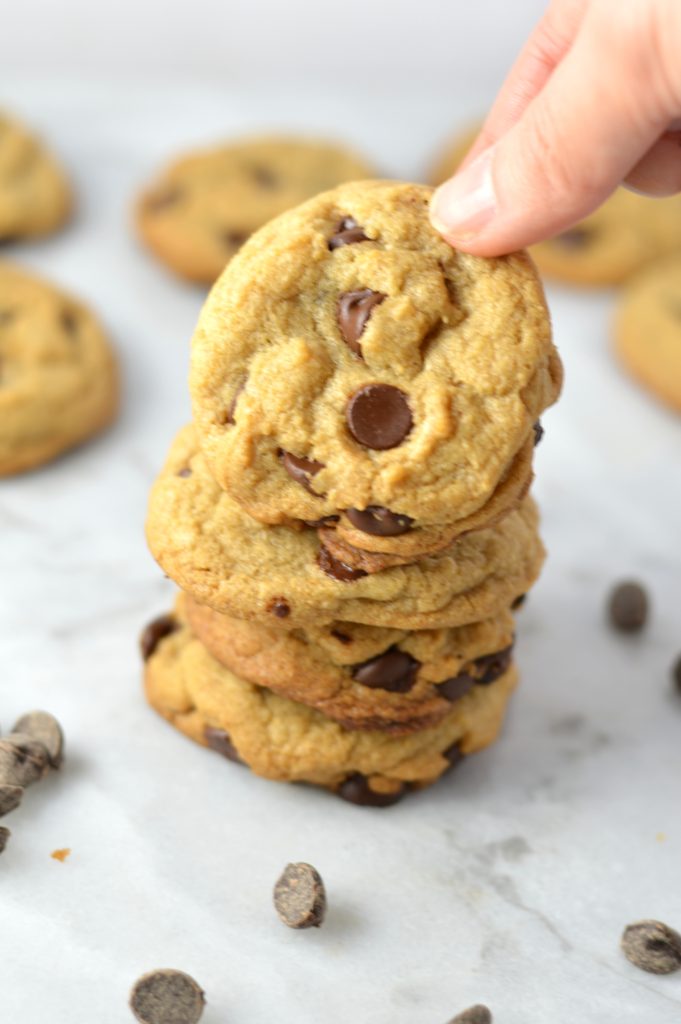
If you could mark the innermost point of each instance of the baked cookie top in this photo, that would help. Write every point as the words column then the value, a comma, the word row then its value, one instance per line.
column 214, row 550
column 58, row 374
column 350, row 363
column 35, row 197
column 204, row 206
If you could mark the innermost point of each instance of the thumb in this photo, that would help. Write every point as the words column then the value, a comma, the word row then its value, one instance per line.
column 576, row 141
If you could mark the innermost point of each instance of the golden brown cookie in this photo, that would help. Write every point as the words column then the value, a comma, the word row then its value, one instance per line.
column 58, row 375
column 35, row 198
column 214, row 550
column 290, row 742
column 204, row 206
column 350, row 364
column 647, row 334
column 364, row 677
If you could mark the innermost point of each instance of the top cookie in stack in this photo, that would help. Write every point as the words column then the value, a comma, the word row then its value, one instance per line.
column 353, row 371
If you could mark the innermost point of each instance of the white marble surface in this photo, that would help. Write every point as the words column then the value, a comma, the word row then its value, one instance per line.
column 510, row 882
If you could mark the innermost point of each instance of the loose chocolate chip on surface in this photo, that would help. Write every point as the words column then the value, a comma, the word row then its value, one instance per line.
column 336, row 569
column 478, row 1014
column 300, row 897
column 628, row 607
column 456, row 687
column 652, row 946
column 218, row 740
column 10, row 798
column 394, row 670
column 280, row 607
column 157, row 629
column 538, row 432
column 23, row 760
column 348, row 232
column 491, row 666
column 184, row 472
column 45, row 728
column 356, row 790
column 300, row 469
column 354, row 310
column 379, row 521
column 4, row 837
column 378, row 416
column 676, row 673
column 167, row 997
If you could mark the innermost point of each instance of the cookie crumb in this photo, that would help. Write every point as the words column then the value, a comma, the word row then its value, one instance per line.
column 628, row 607
column 166, row 996
column 652, row 946
column 300, row 897
column 477, row 1014
column 60, row 855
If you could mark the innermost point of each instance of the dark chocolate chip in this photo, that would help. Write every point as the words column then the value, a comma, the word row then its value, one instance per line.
column 652, row 946
column 676, row 673
column 10, row 798
column 300, row 469
column 574, row 238
column 356, row 790
column 43, row 727
column 167, row 997
column 538, row 432
column 235, row 239
column 379, row 521
column 378, row 416
column 4, row 837
column 324, row 521
column 264, row 177
column 456, row 687
column 454, row 755
column 300, row 897
column 218, row 740
column 394, row 670
column 628, row 607
column 163, row 198
column 348, row 232
column 491, row 666
column 519, row 602
column 478, row 1014
column 184, row 472
column 336, row 569
column 69, row 321
column 342, row 638
column 280, row 607
column 157, row 629
column 354, row 312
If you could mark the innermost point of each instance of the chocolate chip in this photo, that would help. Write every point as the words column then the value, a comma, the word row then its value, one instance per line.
column 354, row 311
column 184, row 472
column 6, row 316
column 491, row 666
column 69, row 321
column 23, row 760
column 652, row 946
column 348, row 232
column 280, row 607
column 379, row 521
column 378, row 416
column 4, row 837
column 264, row 177
column 538, row 432
column 574, row 238
column 456, row 687
column 218, row 740
column 300, row 469
column 519, row 602
column 163, row 198
column 324, row 521
column 167, row 997
column 394, row 670
column 356, row 790
column 43, row 727
column 157, row 629
column 235, row 239
column 300, row 897
column 628, row 607
column 676, row 673
column 10, row 798
column 342, row 638
column 478, row 1014
column 8, row 239
column 336, row 569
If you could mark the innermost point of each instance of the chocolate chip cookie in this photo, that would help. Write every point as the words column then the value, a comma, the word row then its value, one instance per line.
column 35, row 198
column 351, row 369
column 287, row 741
column 213, row 549
column 204, row 206
column 647, row 333
column 58, row 374
column 364, row 677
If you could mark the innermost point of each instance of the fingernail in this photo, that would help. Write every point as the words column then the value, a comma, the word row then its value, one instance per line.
column 466, row 203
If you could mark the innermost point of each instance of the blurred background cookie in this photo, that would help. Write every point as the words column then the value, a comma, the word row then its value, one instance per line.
column 35, row 198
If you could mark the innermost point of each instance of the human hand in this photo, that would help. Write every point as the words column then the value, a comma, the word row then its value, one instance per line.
column 593, row 100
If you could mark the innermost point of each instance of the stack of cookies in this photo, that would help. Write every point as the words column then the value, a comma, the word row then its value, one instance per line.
column 348, row 516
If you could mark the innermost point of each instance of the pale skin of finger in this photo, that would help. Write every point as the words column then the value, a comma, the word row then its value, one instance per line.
column 658, row 173
column 603, row 107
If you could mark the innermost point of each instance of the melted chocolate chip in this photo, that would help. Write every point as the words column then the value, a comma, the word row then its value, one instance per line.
column 69, row 321
column 324, row 521
column 491, row 666
column 164, row 198
column 300, row 469
column 538, row 432
column 394, row 670
column 379, row 521
column 342, row 638
column 218, row 739
column 378, row 416
column 336, row 569
column 235, row 239
column 184, row 472
column 157, row 629
column 354, row 311
column 574, row 238
column 519, row 602
column 456, row 687
column 264, row 177
column 348, row 232
column 453, row 755
column 280, row 607
column 356, row 790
